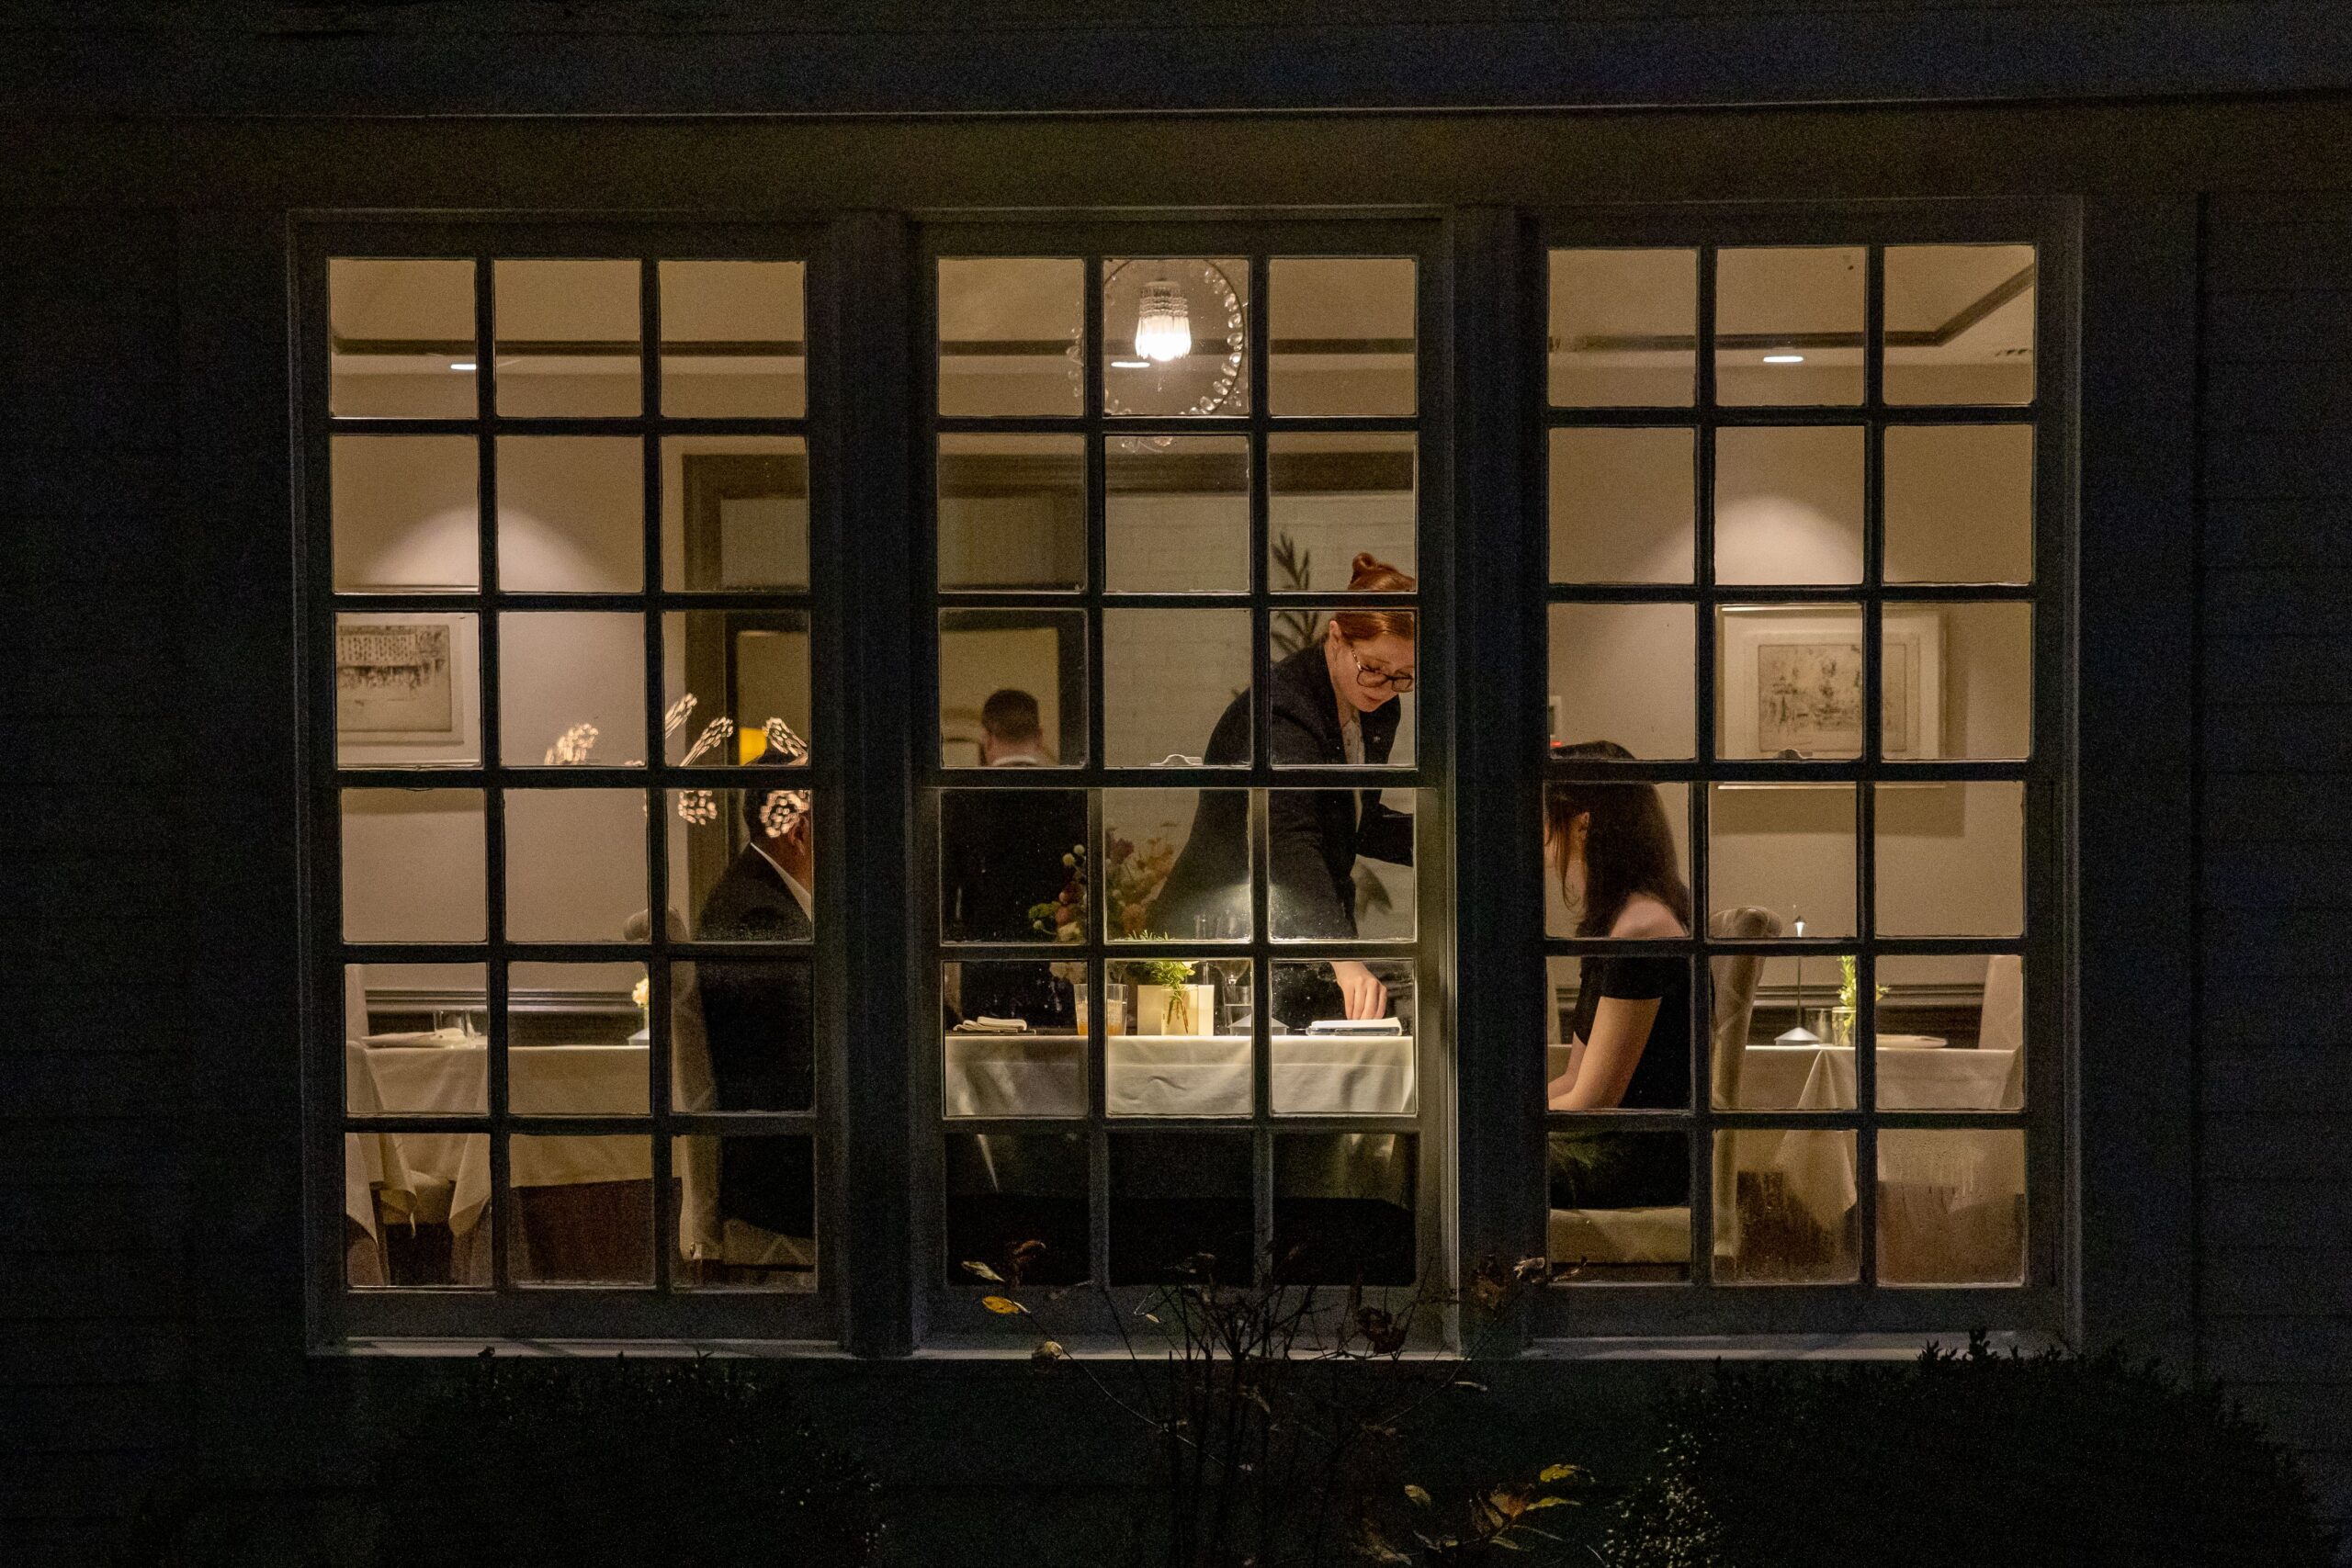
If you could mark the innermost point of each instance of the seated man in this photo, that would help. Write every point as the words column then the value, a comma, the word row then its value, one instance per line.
column 1001, row 859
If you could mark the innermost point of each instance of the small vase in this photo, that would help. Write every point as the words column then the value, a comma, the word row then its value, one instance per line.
column 1841, row 1026
column 1174, row 1010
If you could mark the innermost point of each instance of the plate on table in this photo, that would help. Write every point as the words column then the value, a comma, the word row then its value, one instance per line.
column 1911, row 1042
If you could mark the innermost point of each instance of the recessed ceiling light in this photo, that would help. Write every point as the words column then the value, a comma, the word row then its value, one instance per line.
column 1785, row 360
column 461, row 365
column 1131, row 365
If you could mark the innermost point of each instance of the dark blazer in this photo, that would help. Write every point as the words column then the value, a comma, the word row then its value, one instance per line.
column 1316, row 835
column 760, row 1016
column 999, row 853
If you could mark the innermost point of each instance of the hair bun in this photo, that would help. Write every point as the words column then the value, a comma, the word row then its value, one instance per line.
column 1373, row 575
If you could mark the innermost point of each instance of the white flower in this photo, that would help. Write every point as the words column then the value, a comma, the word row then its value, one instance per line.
column 698, row 807
column 572, row 746
column 713, row 735
column 680, row 711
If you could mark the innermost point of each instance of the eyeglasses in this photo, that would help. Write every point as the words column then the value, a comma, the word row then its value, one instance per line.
column 1372, row 675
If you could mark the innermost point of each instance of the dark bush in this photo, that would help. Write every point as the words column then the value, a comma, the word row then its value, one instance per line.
column 1968, row 1458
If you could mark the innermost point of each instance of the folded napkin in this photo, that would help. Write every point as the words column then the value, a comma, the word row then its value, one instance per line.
column 993, row 1026
column 1357, row 1026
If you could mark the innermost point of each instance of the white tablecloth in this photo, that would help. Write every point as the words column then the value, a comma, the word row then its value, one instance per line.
column 1177, row 1075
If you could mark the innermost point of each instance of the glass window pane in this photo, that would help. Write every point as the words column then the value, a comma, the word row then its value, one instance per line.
column 400, row 338
column 1181, row 1208
column 1789, row 683
column 733, row 891
column 1624, row 328
column 1960, row 504
column 571, row 513
column 1633, row 1017
column 1344, row 1209
column 1177, row 1056
column 747, row 668
column 1790, row 1220
column 1326, row 1064
column 584, row 1211
column 1147, row 834
column 1952, row 859
column 1009, row 336
column 1175, row 336
column 412, row 867
column 569, row 341
column 1951, row 1033
column 1950, row 1206
column 1005, row 1191
column 1784, row 1031
column 575, row 864
column 734, row 512
column 1177, row 514
column 1367, row 657
column 742, row 1034
column 407, row 513
column 1788, row 325
column 1960, row 323
column 1341, row 334
column 1621, row 502
column 577, row 1045
column 1624, row 843
column 418, row 1207
column 571, row 688
column 415, row 1040
column 1176, row 688
column 733, row 339
column 1011, row 512
column 1788, row 504
column 1623, row 674
column 1786, row 851
column 1370, row 894
column 1619, row 1208
column 1966, row 672
column 1011, row 864
column 991, row 1068
column 407, row 690
column 1334, row 496
column 747, row 1212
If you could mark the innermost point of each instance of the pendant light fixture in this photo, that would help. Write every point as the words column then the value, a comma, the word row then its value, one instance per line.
column 1163, row 324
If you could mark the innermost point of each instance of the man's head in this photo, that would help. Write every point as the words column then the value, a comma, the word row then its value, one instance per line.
column 1010, row 726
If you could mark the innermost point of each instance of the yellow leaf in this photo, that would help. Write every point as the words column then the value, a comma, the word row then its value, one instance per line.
column 1002, row 1306
column 1557, row 1473
column 1418, row 1494
column 1547, row 1502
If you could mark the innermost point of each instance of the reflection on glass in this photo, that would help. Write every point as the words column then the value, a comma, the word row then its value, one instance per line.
column 1009, row 336
column 412, row 866
column 576, row 1039
column 747, row 1212
column 1788, row 325
column 742, row 1032
column 417, row 1210
column 1790, row 1220
column 1788, row 504
column 1011, row 864
column 400, row 1024
column 1785, row 1032
column 1950, row 1206
column 734, row 891
column 571, row 688
column 1619, row 1207
column 1011, row 512
column 1370, row 897
column 1960, row 504
column 582, row 1210
column 733, row 339
column 1789, row 684
column 1960, row 323
column 1621, row 502
column 1005, row 1191
column 407, row 690
column 1176, row 688
column 1177, row 1056
column 571, row 513
column 1175, row 336
column 734, row 676
column 1624, row 672
column 1344, row 1208
column 1177, row 514
column 1015, row 1037
column 1951, row 1033
column 568, row 337
column 1952, row 859
column 1341, row 334
column 575, row 864
column 1181, row 1208
column 400, row 338
column 1012, row 688
column 1333, row 495
column 734, row 512
column 407, row 513
column 1787, row 849
column 1145, row 832
column 1624, row 328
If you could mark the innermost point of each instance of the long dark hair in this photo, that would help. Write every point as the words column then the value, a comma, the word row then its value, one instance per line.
column 1628, row 845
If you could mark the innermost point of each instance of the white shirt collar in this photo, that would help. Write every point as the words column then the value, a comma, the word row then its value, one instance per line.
column 1023, row 760
column 801, row 895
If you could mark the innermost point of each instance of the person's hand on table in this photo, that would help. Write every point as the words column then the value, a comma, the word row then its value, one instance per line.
column 1365, row 996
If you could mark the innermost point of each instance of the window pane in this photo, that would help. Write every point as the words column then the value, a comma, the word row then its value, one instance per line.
column 1624, row 328
column 1374, row 899
column 1147, row 834
column 1621, row 674
column 1960, row 323
column 1009, row 865
column 734, row 512
column 1333, row 496
column 1028, row 669
column 418, row 1208
column 1344, row 1209
column 1960, row 504
column 1636, row 838
column 1179, row 1057
column 1005, row 1191
column 568, row 337
column 571, row 513
column 1788, row 504
column 1011, row 512
column 1009, row 336
column 1966, row 672
column 1036, row 1070
column 1361, row 655
column 1360, row 1069
column 1177, row 512
column 748, row 668
column 1175, row 336
column 1181, row 1208
column 577, row 1041
column 402, row 338
column 412, row 866
column 1620, row 1207
column 1621, row 502
column 1786, row 851
column 747, row 1212
column 407, row 690
column 382, row 1003
column 1788, row 325
column 571, row 688
column 1784, row 1032
column 584, row 1211
column 733, row 891
column 1342, row 334
column 742, row 1031
column 414, row 1040
column 733, row 339
column 1790, row 1220
column 1951, row 1207
column 407, row 513
column 1952, row 859
column 575, row 864
column 1951, row 1033
column 1176, row 688
column 1789, row 683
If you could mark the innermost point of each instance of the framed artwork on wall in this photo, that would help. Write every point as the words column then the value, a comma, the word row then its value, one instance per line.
column 405, row 690
column 1792, row 682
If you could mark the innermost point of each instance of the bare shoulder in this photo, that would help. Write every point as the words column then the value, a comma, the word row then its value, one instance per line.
column 1644, row 919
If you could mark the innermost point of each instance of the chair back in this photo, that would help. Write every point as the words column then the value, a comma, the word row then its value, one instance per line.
column 1732, row 1004
column 2001, row 1026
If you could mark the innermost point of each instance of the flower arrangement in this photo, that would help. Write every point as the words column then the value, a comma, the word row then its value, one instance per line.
column 642, row 995
column 1132, row 879
column 571, row 747
column 1175, row 975
column 1064, row 917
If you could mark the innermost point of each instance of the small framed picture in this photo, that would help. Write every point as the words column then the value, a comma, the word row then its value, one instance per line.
column 1791, row 684
column 405, row 690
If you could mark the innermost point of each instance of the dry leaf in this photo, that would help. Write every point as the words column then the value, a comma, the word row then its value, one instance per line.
column 1003, row 1306
column 985, row 1272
